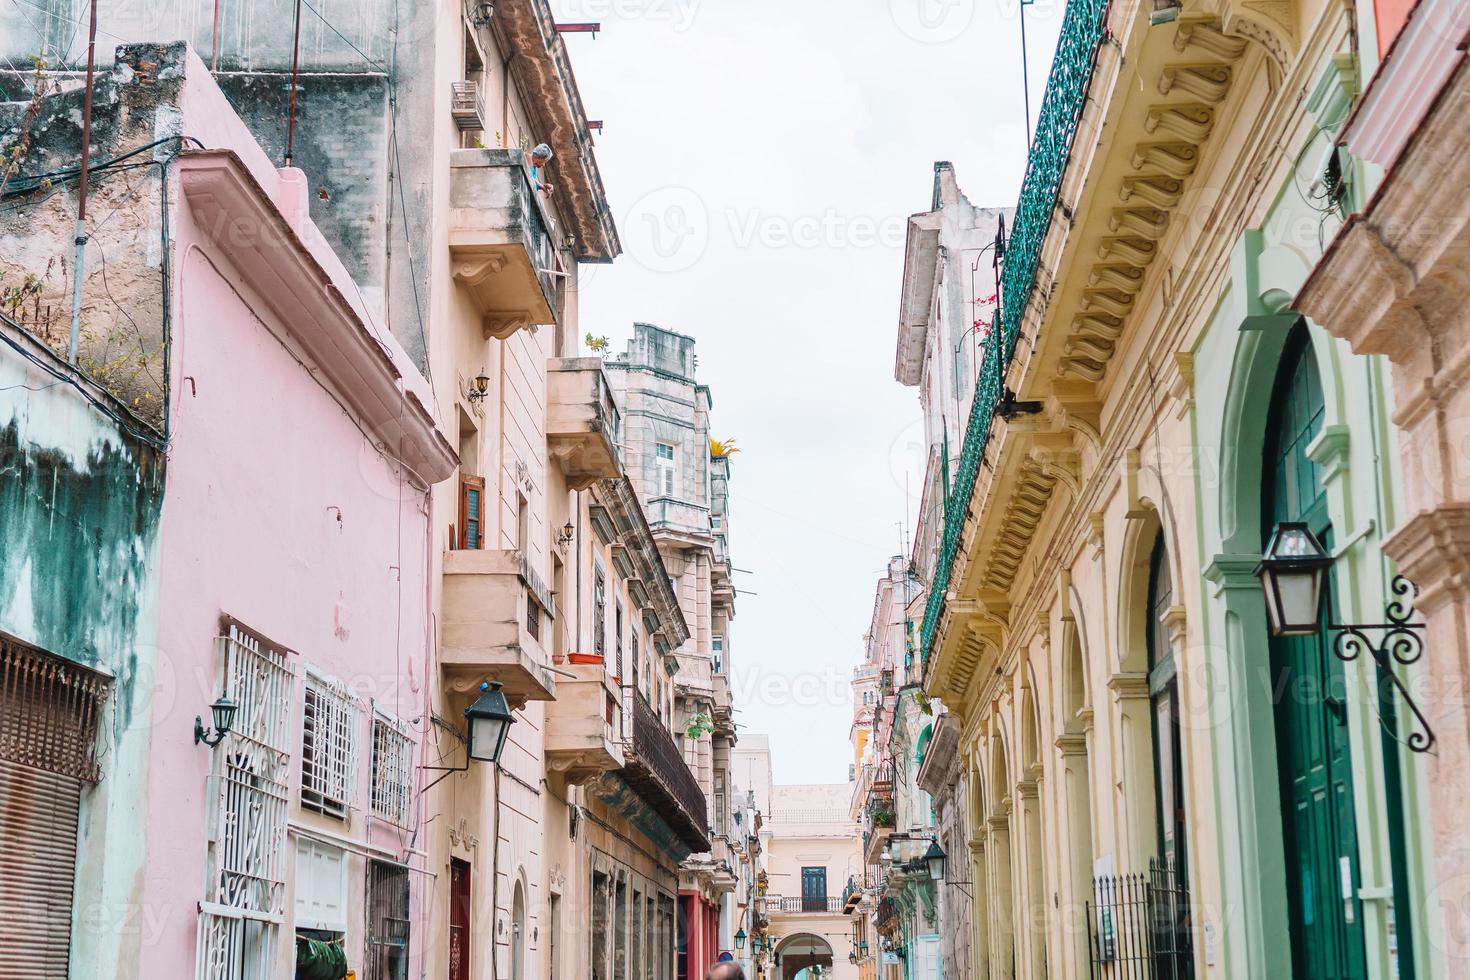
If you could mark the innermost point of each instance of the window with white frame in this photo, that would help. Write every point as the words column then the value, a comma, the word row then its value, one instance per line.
column 717, row 648
column 392, row 770
column 328, row 747
column 664, row 458
column 245, row 899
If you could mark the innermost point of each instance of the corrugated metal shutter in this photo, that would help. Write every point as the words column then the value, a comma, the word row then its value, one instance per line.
column 38, row 853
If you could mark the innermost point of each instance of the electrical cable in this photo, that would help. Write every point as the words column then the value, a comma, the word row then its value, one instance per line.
column 71, row 172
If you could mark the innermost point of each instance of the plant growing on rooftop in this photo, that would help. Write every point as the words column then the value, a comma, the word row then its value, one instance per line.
column 722, row 448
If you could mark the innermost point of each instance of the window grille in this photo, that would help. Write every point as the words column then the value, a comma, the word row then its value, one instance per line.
column 48, row 712
column 533, row 617
column 388, row 921
column 392, row 771
column 599, row 613
column 328, row 748
column 239, row 920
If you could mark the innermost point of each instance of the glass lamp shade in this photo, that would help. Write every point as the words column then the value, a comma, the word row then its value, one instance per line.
column 740, row 939
column 1292, row 572
column 223, row 712
column 489, row 722
column 934, row 857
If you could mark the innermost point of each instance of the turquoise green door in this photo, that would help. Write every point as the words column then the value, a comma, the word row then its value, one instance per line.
column 1313, row 754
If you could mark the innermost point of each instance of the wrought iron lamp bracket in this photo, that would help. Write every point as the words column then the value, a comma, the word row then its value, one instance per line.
column 963, row 886
column 1401, row 643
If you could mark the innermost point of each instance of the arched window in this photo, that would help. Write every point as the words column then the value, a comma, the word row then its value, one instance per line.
column 1163, row 687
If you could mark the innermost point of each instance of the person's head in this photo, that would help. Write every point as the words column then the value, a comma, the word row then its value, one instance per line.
column 727, row 970
column 540, row 154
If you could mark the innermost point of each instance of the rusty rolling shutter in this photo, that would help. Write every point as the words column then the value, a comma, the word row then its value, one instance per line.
column 38, row 845
column 48, row 733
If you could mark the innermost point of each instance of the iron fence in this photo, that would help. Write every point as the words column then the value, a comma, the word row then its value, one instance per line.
column 1083, row 29
column 1140, row 926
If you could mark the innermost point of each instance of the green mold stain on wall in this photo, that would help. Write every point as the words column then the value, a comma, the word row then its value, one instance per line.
column 77, row 545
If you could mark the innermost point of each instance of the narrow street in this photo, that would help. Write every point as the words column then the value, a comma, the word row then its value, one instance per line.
column 1069, row 396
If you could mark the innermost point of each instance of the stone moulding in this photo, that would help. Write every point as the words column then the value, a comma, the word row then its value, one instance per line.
column 312, row 316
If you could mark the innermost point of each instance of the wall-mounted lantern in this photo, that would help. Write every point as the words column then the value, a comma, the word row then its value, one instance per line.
column 223, row 714
column 934, row 858
column 1293, row 574
column 740, row 938
column 479, row 388
column 567, row 532
column 489, row 721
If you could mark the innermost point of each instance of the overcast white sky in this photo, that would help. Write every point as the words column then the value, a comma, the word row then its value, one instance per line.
column 761, row 157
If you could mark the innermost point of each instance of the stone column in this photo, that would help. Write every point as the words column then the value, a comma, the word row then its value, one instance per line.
column 1396, row 282
column 1002, row 923
column 1072, row 924
column 1032, row 917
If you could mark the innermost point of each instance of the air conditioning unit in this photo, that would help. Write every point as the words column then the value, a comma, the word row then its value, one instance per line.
column 467, row 106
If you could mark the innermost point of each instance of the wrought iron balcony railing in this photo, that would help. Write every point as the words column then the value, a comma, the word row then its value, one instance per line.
column 803, row 903
column 1061, row 108
column 658, row 773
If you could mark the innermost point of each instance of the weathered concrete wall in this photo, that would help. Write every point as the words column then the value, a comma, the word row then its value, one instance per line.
column 81, row 488
column 342, row 145
column 254, row 35
column 123, row 327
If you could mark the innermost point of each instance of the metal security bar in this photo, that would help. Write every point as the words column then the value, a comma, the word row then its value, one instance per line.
column 48, row 712
column 392, row 770
column 328, row 747
column 388, row 922
column 1066, row 92
column 1140, row 926
column 239, row 921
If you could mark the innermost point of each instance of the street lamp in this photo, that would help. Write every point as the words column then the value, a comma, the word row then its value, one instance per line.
column 740, row 939
column 1291, row 572
column 489, row 723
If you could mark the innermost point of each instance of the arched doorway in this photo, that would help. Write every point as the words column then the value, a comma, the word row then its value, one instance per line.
column 1314, row 755
column 518, row 934
column 801, row 952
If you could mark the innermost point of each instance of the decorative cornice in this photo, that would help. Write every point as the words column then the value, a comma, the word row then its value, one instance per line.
column 1431, row 549
column 310, row 313
column 1227, row 572
column 1329, row 450
column 1128, row 684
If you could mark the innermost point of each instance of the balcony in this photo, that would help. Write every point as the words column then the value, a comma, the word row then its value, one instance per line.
column 656, row 772
column 496, row 614
column 852, row 895
column 582, row 421
column 796, row 905
column 583, row 725
column 500, row 241
column 875, row 839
